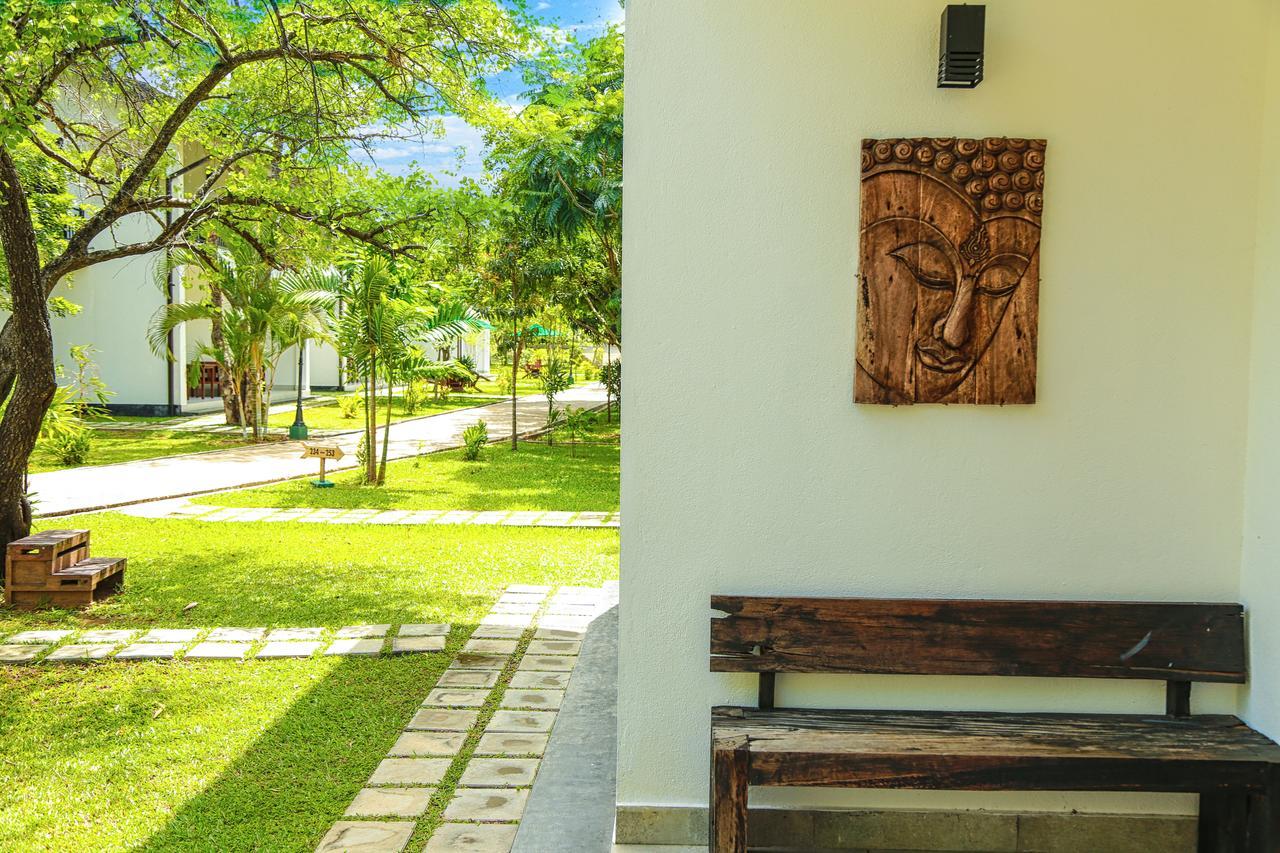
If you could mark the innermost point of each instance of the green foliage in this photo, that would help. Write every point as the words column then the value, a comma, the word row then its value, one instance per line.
column 350, row 405
column 554, row 379
column 577, row 424
column 474, row 438
column 71, row 447
column 414, row 395
column 611, row 376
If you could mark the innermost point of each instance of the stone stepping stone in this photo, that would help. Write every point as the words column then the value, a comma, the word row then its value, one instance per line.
column 522, row 722
column 424, row 516
column 493, row 516
column 106, row 636
column 439, row 720
column 547, row 663
column 423, row 630
column 390, row 516
column 491, row 647
column 486, row 804
column 355, row 647
column 477, row 838
column 538, row 589
column 467, row 678
column 518, row 608
column 510, row 597
column 499, row 772
column 499, row 632
column 410, row 771
column 524, row 518
column 559, row 634
column 589, row 519
column 572, row 610
column 554, row 647
column 389, row 802
column 457, row 697
column 284, row 635
column 287, row 649
column 219, row 651
column 44, row 636
column 362, row 632
column 414, row 645
column 411, row 744
column 540, row 680
column 170, row 635
column 236, row 635
column 537, row 699
column 321, row 515
column 507, row 743
column 367, row 836
column 509, row 620
column 554, row 519
column 21, row 652
column 81, row 652
column 473, row 660
column 566, row 623
column 456, row 516
column 149, row 651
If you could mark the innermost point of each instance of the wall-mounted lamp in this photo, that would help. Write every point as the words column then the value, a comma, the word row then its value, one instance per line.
column 960, row 48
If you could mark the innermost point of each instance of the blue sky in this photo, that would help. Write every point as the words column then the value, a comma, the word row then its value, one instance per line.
column 459, row 152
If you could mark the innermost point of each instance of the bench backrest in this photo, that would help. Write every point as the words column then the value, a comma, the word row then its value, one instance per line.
column 1171, row 642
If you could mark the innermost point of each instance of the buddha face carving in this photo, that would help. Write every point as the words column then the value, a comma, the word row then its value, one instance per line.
column 949, row 271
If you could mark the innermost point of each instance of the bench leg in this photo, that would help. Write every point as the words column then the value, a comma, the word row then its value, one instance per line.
column 728, row 812
column 1224, row 822
column 1264, row 818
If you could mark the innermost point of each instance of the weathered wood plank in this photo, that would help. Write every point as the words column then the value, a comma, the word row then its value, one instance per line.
column 730, row 761
column 1149, row 640
column 997, row 751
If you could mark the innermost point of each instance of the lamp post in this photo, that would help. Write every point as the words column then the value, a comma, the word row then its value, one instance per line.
column 299, row 428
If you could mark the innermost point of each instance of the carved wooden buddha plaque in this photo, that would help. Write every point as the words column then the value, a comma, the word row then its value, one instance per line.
column 949, row 270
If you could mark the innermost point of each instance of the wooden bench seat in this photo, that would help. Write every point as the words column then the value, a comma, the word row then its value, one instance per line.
column 1235, row 769
column 54, row 568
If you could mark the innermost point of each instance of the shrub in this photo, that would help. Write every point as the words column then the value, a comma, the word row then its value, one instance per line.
column 71, row 447
column 350, row 405
column 415, row 393
column 577, row 423
column 474, row 438
column 611, row 376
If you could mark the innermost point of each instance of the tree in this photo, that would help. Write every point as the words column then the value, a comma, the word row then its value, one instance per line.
column 274, row 94
column 259, row 314
column 561, row 163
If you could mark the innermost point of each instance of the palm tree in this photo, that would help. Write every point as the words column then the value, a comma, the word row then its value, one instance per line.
column 386, row 329
column 257, row 314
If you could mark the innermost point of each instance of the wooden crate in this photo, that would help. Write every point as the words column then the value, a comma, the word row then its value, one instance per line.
column 54, row 568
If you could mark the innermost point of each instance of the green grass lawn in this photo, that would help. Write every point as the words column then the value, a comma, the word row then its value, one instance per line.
column 252, row 755
column 110, row 446
column 329, row 416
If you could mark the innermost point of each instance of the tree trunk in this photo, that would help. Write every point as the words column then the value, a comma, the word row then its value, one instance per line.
column 27, row 353
column 230, row 408
column 515, row 377
column 371, row 424
column 386, row 433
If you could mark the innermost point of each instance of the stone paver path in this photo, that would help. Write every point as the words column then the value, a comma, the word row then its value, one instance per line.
column 195, row 644
column 103, row 486
column 472, row 751
column 183, row 508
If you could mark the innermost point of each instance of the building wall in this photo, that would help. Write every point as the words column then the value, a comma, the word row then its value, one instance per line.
column 755, row 473
column 1260, row 566
column 118, row 299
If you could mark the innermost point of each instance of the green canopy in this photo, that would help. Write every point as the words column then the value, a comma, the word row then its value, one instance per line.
column 541, row 331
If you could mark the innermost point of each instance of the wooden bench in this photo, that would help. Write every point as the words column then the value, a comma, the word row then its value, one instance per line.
column 1234, row 769
column 54, row 568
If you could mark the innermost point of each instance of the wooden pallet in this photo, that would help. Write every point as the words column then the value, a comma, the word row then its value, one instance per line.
column 54, row 569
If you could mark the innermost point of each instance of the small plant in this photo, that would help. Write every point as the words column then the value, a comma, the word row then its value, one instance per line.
column 554, row 379
column 71, row 447
column 611, row 376
column 577, row 424
column 504, row 384
column 362, row 459
column 349, row 406
column 415, row 394
column 474, row 438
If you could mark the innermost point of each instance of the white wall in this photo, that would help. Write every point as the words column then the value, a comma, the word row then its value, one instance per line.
column 756, row 474
column 1260, row 568
column 118, row 299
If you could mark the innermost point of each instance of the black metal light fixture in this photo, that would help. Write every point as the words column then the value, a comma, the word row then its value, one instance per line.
column 960, row 48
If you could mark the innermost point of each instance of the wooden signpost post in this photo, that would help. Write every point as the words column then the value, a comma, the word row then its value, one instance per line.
column 323, row 452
